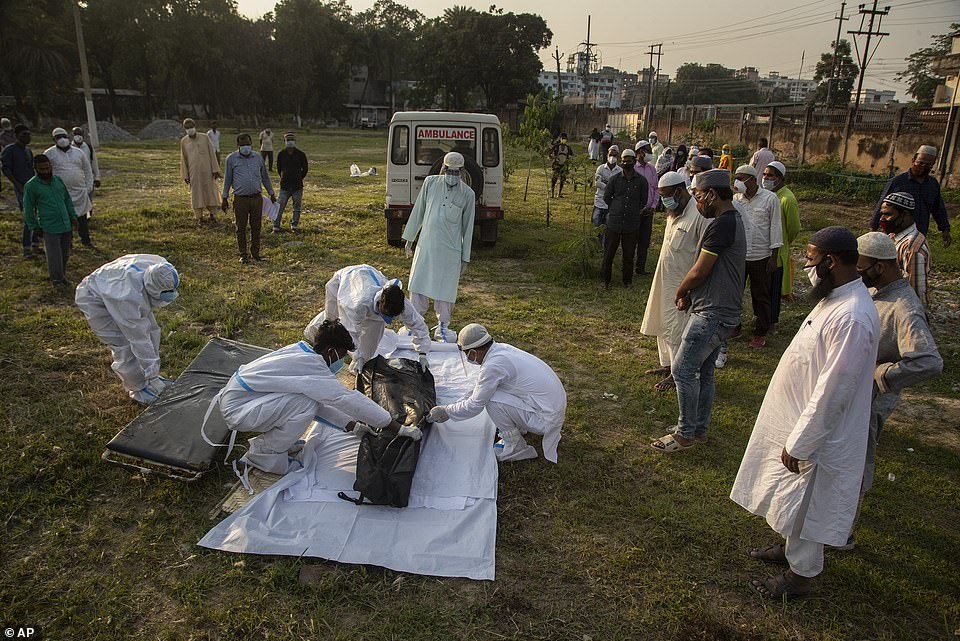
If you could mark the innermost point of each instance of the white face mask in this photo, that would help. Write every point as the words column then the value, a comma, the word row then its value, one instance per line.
column 739, row 186
column 451, row 180
column 78, row 139
column 192, row 131
column 648, row 158
column 812, row 275
column 611, row 160
column 768, row 184
column 63, row 143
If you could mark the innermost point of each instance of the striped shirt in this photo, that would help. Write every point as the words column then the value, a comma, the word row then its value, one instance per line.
column 913, row 255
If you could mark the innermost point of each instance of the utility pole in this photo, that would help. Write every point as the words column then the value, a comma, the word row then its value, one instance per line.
column 836, row 46
column 803, row 55
column 85, row 74
column 557, row 56
column 658, row 53
column 863, row 60
column 588, row 67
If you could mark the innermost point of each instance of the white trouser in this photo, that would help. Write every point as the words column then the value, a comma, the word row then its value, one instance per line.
column 665, row 351
column 804, row 556
column 444, row 310
column 125, row 364
column 512, row 423
column 280, row 418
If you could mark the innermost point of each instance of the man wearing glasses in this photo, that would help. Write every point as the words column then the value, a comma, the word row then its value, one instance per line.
column 925, row 190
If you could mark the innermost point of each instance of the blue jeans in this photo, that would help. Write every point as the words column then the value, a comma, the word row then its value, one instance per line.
column 693, row 369
column 282, row 199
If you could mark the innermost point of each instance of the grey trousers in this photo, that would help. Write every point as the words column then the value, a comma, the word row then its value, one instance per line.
column 57, row 247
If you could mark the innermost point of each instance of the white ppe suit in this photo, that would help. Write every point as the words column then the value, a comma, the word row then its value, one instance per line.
column 352, row 295
column 118, row 300
column 443, row 218
column 280, row 394
column 521, row 394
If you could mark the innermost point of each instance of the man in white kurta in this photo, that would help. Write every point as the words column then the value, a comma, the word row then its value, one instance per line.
column 520, row 392
column 73, row 167
column 684, row 229
column 442, row 217
column 199, row 169
column 366, row 301
column 803, row 465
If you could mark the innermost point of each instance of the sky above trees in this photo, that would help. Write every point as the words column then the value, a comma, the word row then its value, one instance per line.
column 769, row 37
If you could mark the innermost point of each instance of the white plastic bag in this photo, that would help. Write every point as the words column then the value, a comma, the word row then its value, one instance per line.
column 354, row 171
column 270, row 209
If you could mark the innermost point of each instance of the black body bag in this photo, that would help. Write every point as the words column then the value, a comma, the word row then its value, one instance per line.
column 386, row 463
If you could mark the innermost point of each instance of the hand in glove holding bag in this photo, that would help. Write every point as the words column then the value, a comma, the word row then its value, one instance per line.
column 438, row 415
column 408, row 249
column 410, row 431
column 423, row 361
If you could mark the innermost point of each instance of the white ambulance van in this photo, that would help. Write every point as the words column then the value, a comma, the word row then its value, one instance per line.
column 419, row 140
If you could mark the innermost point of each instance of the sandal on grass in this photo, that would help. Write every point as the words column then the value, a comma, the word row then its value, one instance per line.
column 782, row 587
column 770, row 554
column 665, row 385
column 659, row 371
column 667, row 444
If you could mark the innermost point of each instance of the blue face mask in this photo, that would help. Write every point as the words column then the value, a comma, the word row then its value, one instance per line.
column 336, row 366
column 290, row 144
column 669, row 202
column 246, row 150
column 170, row 296
column 386, row 319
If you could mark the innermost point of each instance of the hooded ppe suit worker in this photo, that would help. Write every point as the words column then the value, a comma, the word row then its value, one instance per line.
column 365, row 301
column 281, row 393
column 118, row 300
column 520, row 392
column 442, row 217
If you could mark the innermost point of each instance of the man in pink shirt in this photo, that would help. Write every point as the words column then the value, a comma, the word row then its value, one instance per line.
column 645, row 168
column 762, row 157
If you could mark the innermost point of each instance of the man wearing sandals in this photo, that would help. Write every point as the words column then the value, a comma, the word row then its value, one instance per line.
column 713, row 292
column 803, row 466
column 681, row 245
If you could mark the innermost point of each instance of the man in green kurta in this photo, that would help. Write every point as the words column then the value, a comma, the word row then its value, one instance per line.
column 199, row 169
column 47, row 207
column 781, row 281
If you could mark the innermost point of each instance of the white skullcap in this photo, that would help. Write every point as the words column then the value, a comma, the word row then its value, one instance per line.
column 653, row 134
column 5, row 123
column 776, row 164
column 628, row 153
column 671, row 179
column 641, row 144
column 473, row 335
column 453, row 160
column 877, row 245
column 927, row 149
column 749, row 170
column 59, row 131
column 614, row 148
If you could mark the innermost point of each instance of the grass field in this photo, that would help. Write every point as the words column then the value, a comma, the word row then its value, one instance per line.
column 614, row 542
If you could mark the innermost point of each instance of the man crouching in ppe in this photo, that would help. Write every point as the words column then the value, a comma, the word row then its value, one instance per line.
column 365, row 301
column 281, row 393
column 118, row 300
column 520, row 392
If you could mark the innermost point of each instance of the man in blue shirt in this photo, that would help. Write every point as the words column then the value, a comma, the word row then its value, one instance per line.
column 925, row 190
column 17, row 161
column 245, row 172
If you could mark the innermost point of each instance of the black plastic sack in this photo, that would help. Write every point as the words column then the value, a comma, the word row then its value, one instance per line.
column 386, row 463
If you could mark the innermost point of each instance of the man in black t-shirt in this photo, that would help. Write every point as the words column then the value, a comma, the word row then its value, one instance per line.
column 292, row 167
column 713, row 292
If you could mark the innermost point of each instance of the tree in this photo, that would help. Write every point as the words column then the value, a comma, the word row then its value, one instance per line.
column 919, row 74
column 712, row 84
column 846, row 75
column 469, row 58
column 388, row 34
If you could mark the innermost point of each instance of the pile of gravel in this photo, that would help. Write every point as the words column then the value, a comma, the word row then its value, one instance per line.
column 109, row 132
column 162, row 129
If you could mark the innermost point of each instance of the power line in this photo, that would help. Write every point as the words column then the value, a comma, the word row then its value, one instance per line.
column 864, row 60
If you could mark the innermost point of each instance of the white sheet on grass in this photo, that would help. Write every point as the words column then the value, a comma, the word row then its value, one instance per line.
column 449, row 527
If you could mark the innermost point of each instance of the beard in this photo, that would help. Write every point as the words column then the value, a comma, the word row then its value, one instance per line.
column 822, row 289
